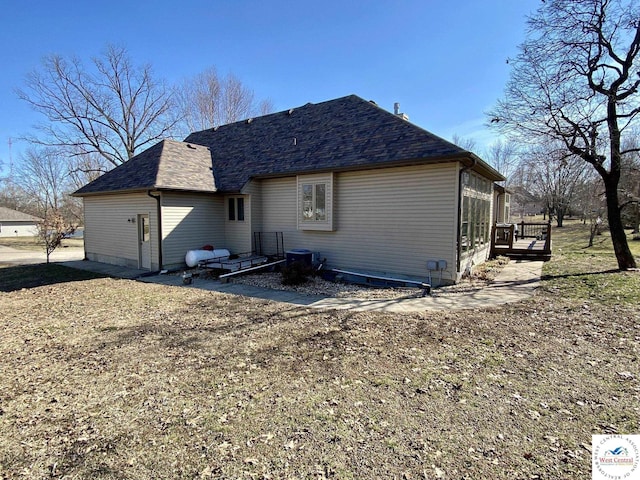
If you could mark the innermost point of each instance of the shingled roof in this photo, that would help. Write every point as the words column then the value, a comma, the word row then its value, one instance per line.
column 347, row 133
column 10, row 215
column 343, row 134
column 168, row 165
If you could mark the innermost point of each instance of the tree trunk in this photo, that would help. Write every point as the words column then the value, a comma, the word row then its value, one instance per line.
column 560, row 212
column 624, row 256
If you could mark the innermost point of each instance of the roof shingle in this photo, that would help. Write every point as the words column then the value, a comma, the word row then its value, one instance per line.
column 167, row 165
column 10, row 215
column 340, row 134
column 343, row 134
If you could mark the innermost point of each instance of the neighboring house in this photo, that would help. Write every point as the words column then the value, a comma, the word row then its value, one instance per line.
column 363, row 187
column 524, row 203
column 17, row 224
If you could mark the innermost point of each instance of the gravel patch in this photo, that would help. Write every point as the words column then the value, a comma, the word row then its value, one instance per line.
column 483, row 275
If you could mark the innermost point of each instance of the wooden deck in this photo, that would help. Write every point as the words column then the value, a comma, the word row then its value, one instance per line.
column 530, row 241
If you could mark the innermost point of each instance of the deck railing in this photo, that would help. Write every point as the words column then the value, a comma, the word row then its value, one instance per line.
column 539, row 231
column 510, row 239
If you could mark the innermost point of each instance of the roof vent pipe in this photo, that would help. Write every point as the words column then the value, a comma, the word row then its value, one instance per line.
column 397, row 113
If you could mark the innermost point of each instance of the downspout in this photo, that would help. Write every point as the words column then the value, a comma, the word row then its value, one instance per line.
column 159, row 215
column 459, row 236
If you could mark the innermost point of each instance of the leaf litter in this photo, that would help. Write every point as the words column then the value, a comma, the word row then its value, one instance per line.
column 119, row 379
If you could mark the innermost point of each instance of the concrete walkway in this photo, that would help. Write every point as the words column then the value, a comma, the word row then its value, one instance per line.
column 517, row 281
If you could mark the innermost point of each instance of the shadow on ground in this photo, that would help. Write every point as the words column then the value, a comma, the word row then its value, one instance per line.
column 14, row 278
column 580, row 274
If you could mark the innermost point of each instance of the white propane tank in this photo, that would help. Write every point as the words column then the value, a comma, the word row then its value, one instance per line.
column 194, row 257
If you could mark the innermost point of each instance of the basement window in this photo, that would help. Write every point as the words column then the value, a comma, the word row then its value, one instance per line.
column 315, row 202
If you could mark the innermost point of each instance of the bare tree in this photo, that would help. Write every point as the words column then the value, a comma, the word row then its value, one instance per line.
column 555, row 177
column 14, row 197
column 208, row 100
column 44, row 177
column 467, row 143
column 576, row 79
column 111, row 108
column 505, row 157
column 591, row 204
column 265, row 107
column 85, row 168
column 630, row 183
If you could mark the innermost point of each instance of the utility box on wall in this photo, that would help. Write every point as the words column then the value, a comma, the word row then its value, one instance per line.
column 301, row 255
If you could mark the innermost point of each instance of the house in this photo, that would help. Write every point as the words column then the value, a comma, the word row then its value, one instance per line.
column 17, row 224
column 363, row 187
column 525, row 203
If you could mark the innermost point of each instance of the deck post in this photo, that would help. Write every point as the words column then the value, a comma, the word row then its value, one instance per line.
column 492, row 249
column 547, row 243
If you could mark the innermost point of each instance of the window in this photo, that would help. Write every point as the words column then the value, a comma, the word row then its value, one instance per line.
column 146, row 231
column 314, row 199
column 475, row 222
column 315, row 202
column 236, row 209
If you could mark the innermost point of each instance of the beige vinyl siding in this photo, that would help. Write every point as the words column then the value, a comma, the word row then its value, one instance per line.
column 238, row 233
column 254, row 190
column 110, row 236
column 279, row 207
column 387, row 220
column 190, row 221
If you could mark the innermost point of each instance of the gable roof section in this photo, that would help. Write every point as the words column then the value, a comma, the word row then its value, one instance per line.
column 343, row 134
column 10, row 215
column 168, row 165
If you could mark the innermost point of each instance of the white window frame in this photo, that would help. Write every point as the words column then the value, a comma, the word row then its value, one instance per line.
column 305, row 223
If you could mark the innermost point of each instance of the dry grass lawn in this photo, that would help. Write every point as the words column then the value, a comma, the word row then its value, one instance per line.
column 113, row 379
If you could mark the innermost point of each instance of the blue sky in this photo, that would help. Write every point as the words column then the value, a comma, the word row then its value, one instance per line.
column 444, row 61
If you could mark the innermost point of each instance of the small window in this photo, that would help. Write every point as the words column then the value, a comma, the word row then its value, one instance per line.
column 236, row 209
column 240, row 209
column 146, row 231
column 232, row 209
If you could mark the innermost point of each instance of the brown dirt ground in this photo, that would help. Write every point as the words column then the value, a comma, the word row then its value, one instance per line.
column 118, row 379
